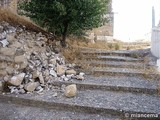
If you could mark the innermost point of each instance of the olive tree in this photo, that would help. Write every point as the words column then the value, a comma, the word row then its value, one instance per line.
column 65, row 17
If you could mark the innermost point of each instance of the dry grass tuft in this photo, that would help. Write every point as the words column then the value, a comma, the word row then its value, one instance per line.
column 137, row 55
column 72, row 54
column 14, row 19
column 84, row 42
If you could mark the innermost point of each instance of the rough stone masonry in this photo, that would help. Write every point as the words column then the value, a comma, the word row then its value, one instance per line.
column 27, row 64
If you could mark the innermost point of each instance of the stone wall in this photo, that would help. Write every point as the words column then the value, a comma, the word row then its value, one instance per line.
column 105, row 32
column 27, row 64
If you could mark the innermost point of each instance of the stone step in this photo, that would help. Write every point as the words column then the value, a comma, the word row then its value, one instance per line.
column 118, row 52
column 123, row 72
column 113, row 53
column 93, row 101
column 114, row 58
column 120, row 64
column 22, row 112
column 119, row 84
column 105, row 54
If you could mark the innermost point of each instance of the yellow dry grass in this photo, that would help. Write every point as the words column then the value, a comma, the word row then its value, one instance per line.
column 14, row 19
column 83, row 42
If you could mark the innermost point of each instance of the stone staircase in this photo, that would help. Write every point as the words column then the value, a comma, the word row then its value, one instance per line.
column 118, row 86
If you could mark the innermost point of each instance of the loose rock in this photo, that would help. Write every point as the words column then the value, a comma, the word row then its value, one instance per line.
column 53, row 73
column 4, row 42
column 71, row 90
column 30, row 87
column 60, row 70
column 79, row 77
column 35, row 74
column 72, row 71
column 8, row 51
column 17, row 80
column 19, row 59
column 41, row 79
column 53, row 61
column 1, row 86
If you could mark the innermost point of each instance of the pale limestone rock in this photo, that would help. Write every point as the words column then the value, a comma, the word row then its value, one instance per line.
column 1, row 29
column 3, row 73
column 4, row 42
column 17, row 80
column 55, row 94
column 69, row 76
column 81, row 74
column 16, row 45
column 6, row 78
column 13, row 89
column 43, row 56
column 79, row 77
column 24, row 64
column 1, row 86
column 39, row 88
column 31, row 44
column 48, row 54
column 21, row 91
column 9, row 70
column 3, row 65
column 35, row 74
column 53, row 61
column 8, row 51
column 3, row 35
column 72, row 71
column 41, row 79
column 51, row 65
column 30, row 87
column 66, row 79
column 46, row 73
column 53, row 73
column 60, row 70
column 19, row 59
column 70, row 90
column 11, row 37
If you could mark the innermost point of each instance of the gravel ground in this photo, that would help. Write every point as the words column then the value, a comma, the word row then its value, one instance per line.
column 117, row 64
column 19, row 112
column 123, row 81
column 106, row 100
column 120, row 58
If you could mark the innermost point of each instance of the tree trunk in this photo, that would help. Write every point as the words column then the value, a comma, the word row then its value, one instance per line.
column 64, row 35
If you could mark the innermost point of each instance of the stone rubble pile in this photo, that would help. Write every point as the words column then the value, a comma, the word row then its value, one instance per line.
column 27, row 64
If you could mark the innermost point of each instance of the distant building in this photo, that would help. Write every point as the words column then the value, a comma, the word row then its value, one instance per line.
column 105, row 32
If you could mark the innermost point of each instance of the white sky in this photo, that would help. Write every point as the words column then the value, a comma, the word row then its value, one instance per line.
column 133, row 18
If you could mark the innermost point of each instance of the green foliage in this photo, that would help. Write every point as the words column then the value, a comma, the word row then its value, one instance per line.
column 65, row 17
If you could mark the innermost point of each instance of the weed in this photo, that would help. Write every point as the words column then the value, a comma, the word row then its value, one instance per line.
column 135, row 55
column 117, row 46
